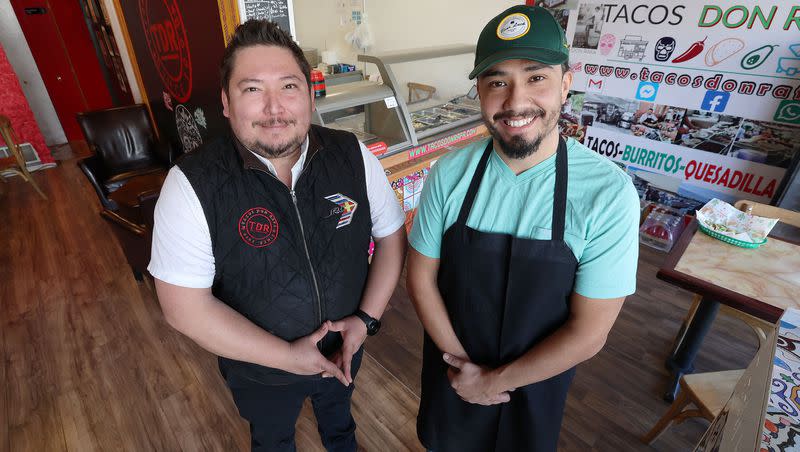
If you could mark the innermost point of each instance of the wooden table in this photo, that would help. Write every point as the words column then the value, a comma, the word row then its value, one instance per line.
column 128, row 196
column 762, row 282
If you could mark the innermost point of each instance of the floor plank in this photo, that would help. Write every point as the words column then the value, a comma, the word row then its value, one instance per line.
column 89, row 363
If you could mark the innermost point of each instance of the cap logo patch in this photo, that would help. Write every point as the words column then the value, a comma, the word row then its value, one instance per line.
column 513, row 26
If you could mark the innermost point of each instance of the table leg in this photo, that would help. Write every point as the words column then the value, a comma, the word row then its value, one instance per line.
column 682, row 359
column 684, row 325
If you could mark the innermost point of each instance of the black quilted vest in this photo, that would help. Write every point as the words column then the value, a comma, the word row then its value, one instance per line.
column 285, row 260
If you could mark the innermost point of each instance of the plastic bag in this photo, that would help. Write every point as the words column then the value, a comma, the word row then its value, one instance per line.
column 361, row 36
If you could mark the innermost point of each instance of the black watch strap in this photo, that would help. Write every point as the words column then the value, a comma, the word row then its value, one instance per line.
column 373, row 324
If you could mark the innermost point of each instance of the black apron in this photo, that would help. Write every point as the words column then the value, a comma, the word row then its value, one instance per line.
column 503, row 295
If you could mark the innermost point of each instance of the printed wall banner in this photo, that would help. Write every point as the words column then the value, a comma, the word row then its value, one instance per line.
column 749, row 51
column 693, row 173
column 713, row 83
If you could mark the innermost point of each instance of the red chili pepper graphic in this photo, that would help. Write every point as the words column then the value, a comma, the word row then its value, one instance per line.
column 691, row 52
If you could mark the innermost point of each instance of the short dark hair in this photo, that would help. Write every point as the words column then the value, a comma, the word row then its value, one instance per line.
column 260, row 32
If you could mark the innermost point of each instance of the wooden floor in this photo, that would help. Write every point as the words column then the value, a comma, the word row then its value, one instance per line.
column 89, row 363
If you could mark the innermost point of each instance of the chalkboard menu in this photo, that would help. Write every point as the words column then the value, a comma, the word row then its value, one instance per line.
column 278, row 11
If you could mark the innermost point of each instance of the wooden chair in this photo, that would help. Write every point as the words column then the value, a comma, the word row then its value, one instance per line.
column 709, row 392
column 15, row 162
column 418, row 92
column 764, row 210
column 132, row 223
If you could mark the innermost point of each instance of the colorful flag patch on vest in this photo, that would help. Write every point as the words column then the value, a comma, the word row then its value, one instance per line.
column 346, row 207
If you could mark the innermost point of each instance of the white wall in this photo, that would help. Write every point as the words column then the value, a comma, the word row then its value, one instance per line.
column 21, row 59
column 398, row 25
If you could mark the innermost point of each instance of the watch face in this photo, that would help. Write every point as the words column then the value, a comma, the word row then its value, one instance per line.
column 373, row 327
column 372, row 324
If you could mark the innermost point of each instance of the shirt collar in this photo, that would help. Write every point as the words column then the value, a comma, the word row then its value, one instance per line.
column 250, row 160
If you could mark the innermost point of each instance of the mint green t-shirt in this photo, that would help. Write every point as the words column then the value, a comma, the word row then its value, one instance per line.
column 602, row 219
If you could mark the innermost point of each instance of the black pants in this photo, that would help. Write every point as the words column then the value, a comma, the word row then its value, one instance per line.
column 272, row 411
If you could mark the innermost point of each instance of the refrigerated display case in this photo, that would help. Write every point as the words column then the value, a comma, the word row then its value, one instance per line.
column 377, row 113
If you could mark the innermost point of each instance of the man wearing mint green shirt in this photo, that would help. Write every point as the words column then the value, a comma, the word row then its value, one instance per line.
column 524, row 248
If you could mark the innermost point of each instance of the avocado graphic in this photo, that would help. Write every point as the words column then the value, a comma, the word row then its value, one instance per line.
column 757, row 57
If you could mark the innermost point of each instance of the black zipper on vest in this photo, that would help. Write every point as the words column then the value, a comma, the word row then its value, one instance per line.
column 303, row 235
column 308, row 255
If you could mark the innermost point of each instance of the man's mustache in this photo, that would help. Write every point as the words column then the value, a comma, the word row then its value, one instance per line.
column 274, row 122
column 509, row 114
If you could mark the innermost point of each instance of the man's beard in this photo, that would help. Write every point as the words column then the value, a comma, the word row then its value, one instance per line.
column 518, row 147
column 275, row 151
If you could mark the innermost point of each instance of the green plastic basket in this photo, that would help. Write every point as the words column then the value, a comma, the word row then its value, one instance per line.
column 730, row 240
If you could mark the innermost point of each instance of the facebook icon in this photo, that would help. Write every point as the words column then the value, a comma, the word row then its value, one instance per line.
column 715, row 101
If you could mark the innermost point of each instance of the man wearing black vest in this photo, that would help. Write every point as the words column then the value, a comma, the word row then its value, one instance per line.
column 261, row 243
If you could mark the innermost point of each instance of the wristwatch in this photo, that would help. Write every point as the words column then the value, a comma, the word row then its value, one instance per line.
column 373, row 325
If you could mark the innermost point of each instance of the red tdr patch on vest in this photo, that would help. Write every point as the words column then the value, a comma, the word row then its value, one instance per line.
column 258, row 227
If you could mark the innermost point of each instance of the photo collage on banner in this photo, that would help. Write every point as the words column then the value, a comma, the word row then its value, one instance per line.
column 697, row 100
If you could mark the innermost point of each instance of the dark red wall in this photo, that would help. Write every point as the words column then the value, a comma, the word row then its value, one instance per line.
column 178, row 46
column 72, row 25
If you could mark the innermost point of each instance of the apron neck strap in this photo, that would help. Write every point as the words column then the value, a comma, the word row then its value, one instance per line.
column 559, row 193
column 466, row 206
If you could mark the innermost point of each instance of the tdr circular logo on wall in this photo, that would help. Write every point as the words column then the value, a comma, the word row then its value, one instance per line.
column 169, row 48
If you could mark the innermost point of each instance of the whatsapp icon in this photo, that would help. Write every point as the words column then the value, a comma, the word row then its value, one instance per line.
column 788, row 112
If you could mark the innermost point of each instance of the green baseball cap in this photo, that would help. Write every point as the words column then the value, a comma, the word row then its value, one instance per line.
column 521, row 32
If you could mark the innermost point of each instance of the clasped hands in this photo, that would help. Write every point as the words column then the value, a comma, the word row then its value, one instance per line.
column 473, row 383
column 307, row 359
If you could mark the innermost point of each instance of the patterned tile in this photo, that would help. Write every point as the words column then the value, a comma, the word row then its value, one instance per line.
column 782, row 423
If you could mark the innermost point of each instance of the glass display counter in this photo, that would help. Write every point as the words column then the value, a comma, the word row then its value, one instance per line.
column 377, row 113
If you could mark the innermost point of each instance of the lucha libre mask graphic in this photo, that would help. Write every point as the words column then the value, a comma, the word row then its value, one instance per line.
column 664, row 48
column 606, row 43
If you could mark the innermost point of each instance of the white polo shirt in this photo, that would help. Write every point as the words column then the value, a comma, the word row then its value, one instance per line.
column 181, row 250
